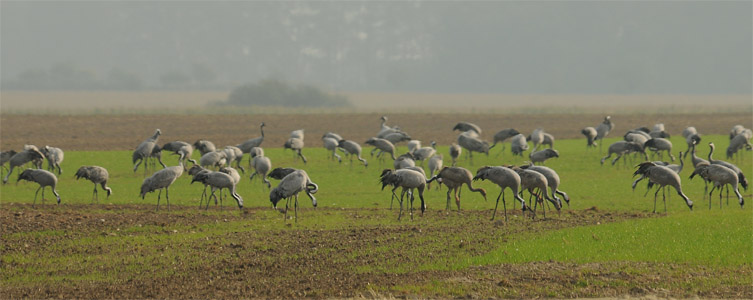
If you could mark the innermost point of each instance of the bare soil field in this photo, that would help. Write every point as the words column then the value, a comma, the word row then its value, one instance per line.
column 125, row 132
column 198, row 102
column 253, row 264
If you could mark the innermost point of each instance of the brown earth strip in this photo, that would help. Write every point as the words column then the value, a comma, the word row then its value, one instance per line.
column 125, row 132
column 348, row 261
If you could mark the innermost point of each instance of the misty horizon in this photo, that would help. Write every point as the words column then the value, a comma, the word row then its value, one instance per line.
column 423, row 47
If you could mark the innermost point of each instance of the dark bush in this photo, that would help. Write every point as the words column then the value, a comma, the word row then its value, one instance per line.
column 272, row 92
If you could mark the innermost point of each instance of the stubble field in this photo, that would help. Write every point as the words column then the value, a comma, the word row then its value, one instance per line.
column 607, row 243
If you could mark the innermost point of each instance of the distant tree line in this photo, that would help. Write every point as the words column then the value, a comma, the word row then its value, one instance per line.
column 272, row 92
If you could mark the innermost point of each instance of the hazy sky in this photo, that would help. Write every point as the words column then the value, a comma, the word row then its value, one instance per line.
column 629, row 47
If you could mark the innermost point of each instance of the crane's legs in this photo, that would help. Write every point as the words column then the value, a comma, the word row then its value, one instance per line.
column 95, row 195
column 158, row 198
column 167, row 197
column 35, row 196
column 448, row 199
column 296, row 208
column 501, row 194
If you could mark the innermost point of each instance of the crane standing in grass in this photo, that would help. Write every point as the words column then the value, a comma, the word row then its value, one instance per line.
column 454, row 178
column 289, row 187
column 97, row 175
column 54, row 158
column 44, row 178
column 504, row 178
column 218, row 181
column 408, row 180
column 160, row 180
column 662, row 176
column 21, row 158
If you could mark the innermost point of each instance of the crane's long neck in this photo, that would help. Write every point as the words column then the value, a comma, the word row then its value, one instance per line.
column 711, row 152
column 261, row 128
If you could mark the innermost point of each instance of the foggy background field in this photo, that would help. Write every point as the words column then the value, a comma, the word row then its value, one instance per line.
column 379, row 54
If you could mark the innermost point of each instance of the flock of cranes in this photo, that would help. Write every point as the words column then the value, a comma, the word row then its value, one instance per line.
column 541, row 182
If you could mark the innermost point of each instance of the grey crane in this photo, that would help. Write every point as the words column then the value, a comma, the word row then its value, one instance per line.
column 213, row 159
column 289, row 187
column 543, row 155
column 455, row 151
column 553, row 179
column 280, row 173
column 472, row 144
column 54, row 158
column 332, row 135
column 466, row 126
column 504, row 178
column 182, row 149
column 218, row 181
column 160, row 180
column 385, row 130
column 695, row 159
column 408, row 180
column 658, row 145
column 193, row 172
column 740, row 141
column 36, row 162
column 590, row 134
column 352, row 149
column 261, row 165
column 254, row 152
column 413, row 145
column 255, row 142
column 548, row 140
column 503, row 135
column 720, row 176
column 518, row 144
column 155, row 136
column 536, row 184
column 536, row 137
column 404, row 161
column 44, row 178
column 21, row 158
column 691, row 140
column 740, row 176
column 675, row 167
column 204, row 146
column 296, row 145
column 697, row 171
column 637, row 137
column 436, row 163
column 603, row 129
column 331, row 145
column 621, row 148
column 454, row 178
column 232, row 172
column 234, row 154
column 662, row 176
column 383, row 145
column 4, row 158
column 691, row 136
column 97, row 175
column 297, row 134
column 146, row 150
column 425, row 153
column 155, row 157
column 397, row 137
column 689, row 131
column 659, row 132
column 737, row 129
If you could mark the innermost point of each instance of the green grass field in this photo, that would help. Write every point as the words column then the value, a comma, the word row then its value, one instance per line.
column 718, row 239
